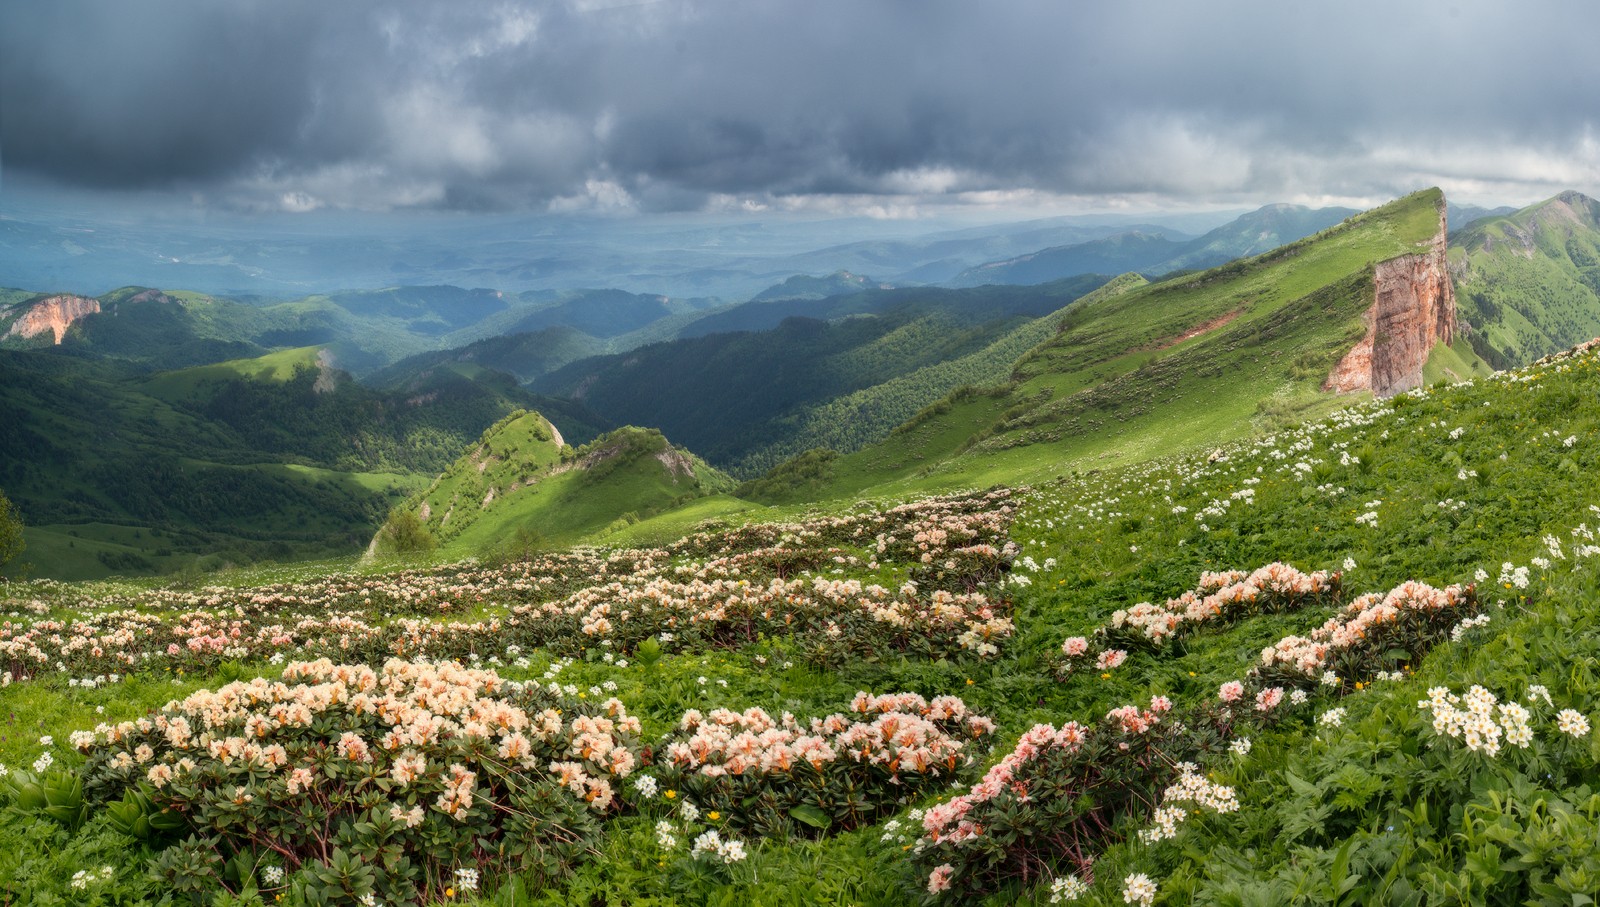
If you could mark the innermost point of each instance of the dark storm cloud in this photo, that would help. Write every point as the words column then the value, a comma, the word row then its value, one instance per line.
column 491, row 104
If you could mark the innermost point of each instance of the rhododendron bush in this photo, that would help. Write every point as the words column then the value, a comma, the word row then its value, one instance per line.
column 1376, row 632
column 1054, row 800
column 415, row 768
column 777, row 776
column 1218, row 599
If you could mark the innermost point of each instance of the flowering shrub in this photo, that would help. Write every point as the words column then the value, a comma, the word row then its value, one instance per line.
column 1056, row 797
column 1218, row 598
column 1375, row 632
column 835, row 773
column 570, row 601
column 404, row 773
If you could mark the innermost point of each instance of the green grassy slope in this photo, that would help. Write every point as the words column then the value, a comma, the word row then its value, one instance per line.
column 1250, row 234
column 280, row 366
column 1346, row 794
column 519, row 476
column 838, row 424
column 1529, row 282
column 747, row 399
column 1224, row 353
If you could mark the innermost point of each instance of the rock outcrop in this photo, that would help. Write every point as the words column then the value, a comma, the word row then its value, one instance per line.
column 56, row 314
column 1414, row 307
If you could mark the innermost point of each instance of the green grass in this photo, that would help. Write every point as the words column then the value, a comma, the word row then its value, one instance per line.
column 517, row 477
column 1122, row 534
column 189, row 383
column 1145, row 371
column 74, row 552
column 673, row 524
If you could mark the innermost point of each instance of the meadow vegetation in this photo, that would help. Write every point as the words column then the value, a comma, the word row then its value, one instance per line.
column 1348, row 661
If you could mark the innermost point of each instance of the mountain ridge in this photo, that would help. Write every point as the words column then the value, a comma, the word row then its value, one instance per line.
column 1154, row 253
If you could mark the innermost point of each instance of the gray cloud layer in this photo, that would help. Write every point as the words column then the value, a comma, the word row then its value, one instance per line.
column 688, row 104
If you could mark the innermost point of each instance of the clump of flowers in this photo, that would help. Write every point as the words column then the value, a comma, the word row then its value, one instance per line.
column 756, row 580
column 1056, row 796
column 1361, row 639
column 1484, row 724
column 773, row 775
column 1190, row 794
column 1218, row 598
column 427, row 760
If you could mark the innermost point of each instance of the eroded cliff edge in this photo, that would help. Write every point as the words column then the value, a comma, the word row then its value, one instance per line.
column 54, row 314
column 1414, row 307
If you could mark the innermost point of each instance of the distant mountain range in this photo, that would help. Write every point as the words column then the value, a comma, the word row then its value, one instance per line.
column 1156, row 252
column 291, row 258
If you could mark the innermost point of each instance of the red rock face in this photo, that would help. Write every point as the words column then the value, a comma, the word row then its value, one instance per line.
column 1414, row 308
column 55, row 314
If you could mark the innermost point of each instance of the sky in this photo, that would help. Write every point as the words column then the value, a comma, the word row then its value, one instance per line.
column 839, row 108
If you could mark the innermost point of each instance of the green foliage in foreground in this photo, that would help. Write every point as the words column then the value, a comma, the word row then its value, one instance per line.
column 1379, row 808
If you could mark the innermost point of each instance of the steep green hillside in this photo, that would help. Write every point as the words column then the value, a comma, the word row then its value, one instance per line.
column 281, row 457
column 847, row 423
column 745, row 399
column 1529, row 282
column 520, row 477
column 1224, row 353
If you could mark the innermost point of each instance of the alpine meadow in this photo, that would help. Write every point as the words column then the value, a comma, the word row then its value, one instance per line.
column 557, row 453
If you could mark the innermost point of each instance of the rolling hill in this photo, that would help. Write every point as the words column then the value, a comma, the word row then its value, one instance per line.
column 521, row 477
column 120, row 470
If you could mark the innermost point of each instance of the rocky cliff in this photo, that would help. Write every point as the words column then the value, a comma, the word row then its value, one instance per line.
column 56, row 314
column 1414, row 307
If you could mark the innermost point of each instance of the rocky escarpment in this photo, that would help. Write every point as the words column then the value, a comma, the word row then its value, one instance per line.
column 56, row 314
column 1414, row 307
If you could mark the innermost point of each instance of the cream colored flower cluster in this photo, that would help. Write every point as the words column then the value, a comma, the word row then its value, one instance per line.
column 1221, row 596
column 1482, row 722
column 1191, row 792
column 1367, row 616
column 566, row 600
column 438, row 725
column 906, row 735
